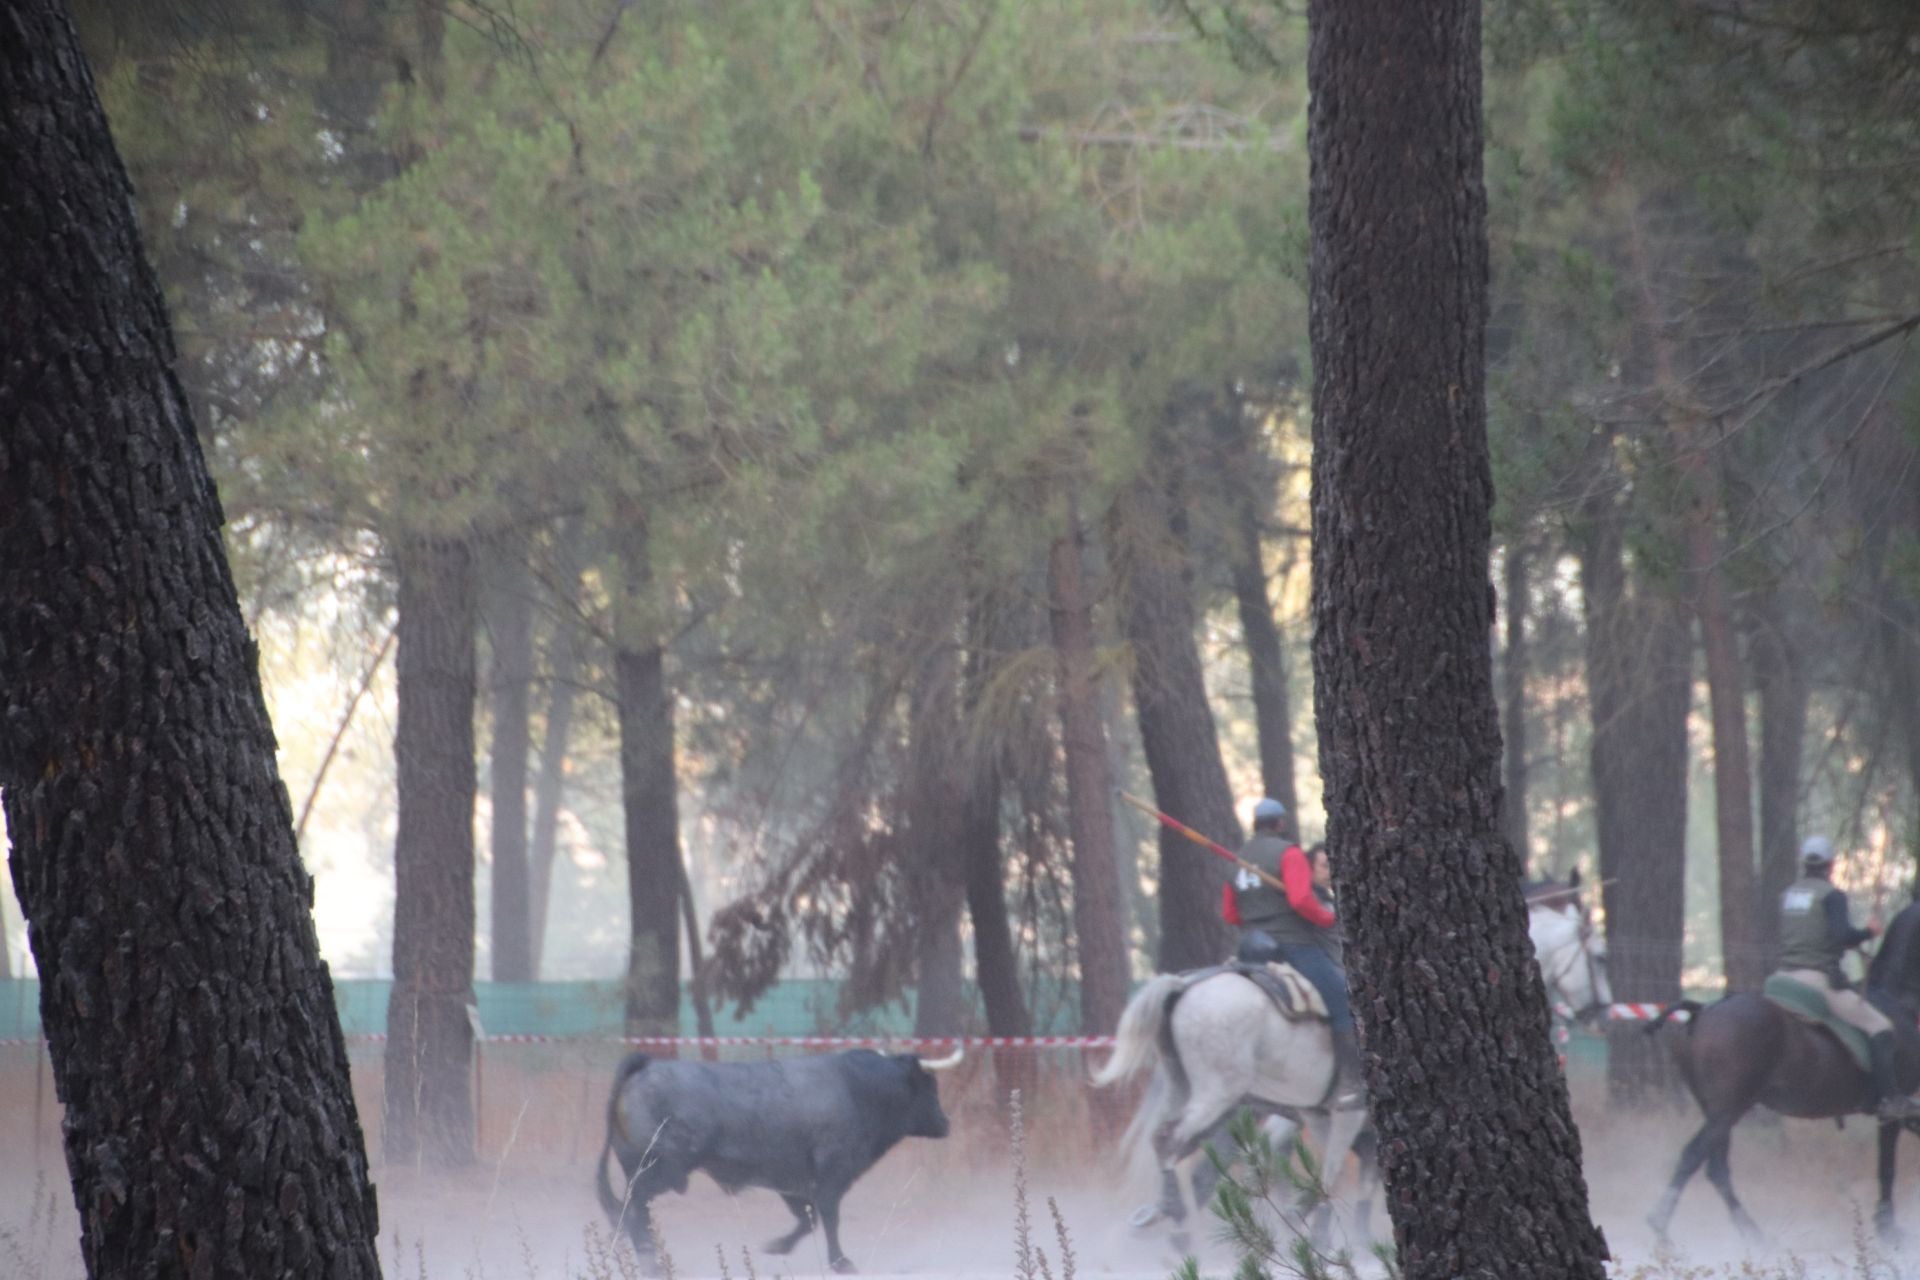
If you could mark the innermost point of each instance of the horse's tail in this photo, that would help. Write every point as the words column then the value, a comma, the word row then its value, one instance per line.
column 634, row 1064
column 1137, row 1042
column 1147, row 1116
column 1688, row 1007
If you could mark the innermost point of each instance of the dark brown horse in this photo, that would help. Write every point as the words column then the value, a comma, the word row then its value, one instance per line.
column 1744, row 1051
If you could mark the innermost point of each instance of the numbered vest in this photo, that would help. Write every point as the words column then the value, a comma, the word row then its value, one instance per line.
column 1804, row 943
column 1261, row 905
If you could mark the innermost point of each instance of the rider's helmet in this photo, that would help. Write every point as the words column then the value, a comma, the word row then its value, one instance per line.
column 1268, row 810
column 1816, row 851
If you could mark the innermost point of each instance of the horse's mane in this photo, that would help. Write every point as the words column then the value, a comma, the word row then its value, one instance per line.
column 1896, row 964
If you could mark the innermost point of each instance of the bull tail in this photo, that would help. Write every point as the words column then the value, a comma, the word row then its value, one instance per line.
column 1137, row 1041
column 614, row 1206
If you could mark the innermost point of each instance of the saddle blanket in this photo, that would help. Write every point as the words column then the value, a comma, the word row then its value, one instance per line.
column 1809, row 1004
column 1297, row 999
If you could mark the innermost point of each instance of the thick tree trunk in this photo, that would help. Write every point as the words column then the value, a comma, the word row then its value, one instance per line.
column 1513, row 675
column 1467, row 1097
column 1902, row 657
column 512, row 683
column 995, row 963
column 937, row 879
column 185, row 1005
column 697, row 986
column 1266, row 664
column 1176, row 725
column 1639, row 654
column 429, row 1055
column 1098, row 925
column 1742, row 957
column 649, row 796
column 1780, row 675
column 549, row 788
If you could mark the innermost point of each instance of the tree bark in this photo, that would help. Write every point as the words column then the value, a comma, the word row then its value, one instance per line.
column 1097, row 921
column 512, row 689
column 938, row 882
column 1780, row 676
column 1266, row 665
column 209, row 1120
column 1513, row 674
column 1902, row 658
column 649, row 796
column 1639, row 654
column 1176, row 725
column 995, row 963
column 697, row 986
column 1467, row 1097
column 429, row 1054
column 549, row 788
column 1742, row 958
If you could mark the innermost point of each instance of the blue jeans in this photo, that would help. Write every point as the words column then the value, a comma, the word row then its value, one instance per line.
column 1319, row 969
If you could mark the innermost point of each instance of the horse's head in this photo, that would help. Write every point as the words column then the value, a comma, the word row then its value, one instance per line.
column 1571, row 952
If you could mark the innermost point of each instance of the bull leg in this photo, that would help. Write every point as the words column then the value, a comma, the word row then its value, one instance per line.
column 638, row 1218
column 1883, row 1212
column 830, row 1221
column 803, row 1223
column 632, row 1210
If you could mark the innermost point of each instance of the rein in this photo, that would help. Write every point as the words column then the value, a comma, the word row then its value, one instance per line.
column 1561, row 970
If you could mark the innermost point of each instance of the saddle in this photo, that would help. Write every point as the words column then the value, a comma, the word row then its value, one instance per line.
column 1294, row 997
column 1809, row 1004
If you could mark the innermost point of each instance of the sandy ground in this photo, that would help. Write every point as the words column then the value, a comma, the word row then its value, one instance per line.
column 921, row 1213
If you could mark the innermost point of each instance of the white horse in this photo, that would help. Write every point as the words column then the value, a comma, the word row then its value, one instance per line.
column 1217, row 1043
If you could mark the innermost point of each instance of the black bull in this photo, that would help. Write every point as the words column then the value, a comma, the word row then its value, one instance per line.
column 806, row 1128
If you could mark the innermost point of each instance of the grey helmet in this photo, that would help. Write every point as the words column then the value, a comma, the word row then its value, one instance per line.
column 1268, row 810
column 1816, row 851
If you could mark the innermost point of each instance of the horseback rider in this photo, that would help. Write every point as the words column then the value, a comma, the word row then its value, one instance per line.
column 1295, row 925
column 1815, row 932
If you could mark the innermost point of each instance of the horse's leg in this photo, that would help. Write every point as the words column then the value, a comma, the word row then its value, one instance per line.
column 1206, row 1110
column 1343, row 1128
column 1720, row 1174
column 1883, row 1212
column 1172, row 1204
column 1692, row 1156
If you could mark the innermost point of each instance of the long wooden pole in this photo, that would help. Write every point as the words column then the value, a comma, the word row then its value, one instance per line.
column 1174, row 824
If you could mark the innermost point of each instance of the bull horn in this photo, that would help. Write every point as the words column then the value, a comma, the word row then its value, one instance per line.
column 951, row 1060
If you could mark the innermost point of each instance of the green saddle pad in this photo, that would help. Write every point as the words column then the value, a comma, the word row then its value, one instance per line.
column 1809, row 1004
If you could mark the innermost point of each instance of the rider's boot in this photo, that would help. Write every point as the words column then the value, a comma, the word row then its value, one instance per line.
column 1349, row 1090
column 1890, row 1102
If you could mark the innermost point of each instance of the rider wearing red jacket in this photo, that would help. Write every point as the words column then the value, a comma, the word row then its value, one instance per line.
column 1296, row 925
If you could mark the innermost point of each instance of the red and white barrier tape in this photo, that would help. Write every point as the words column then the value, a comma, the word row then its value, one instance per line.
column 1615, row 1013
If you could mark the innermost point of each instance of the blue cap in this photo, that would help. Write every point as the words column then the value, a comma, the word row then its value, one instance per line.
column 1269, row 809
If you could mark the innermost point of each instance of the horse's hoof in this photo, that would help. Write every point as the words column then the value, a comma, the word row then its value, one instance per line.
column 1143, row 1217
column 779, row 1246
column 844, row 1267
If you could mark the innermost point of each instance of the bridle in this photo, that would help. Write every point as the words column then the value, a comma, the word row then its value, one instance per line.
column 1562, row 969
